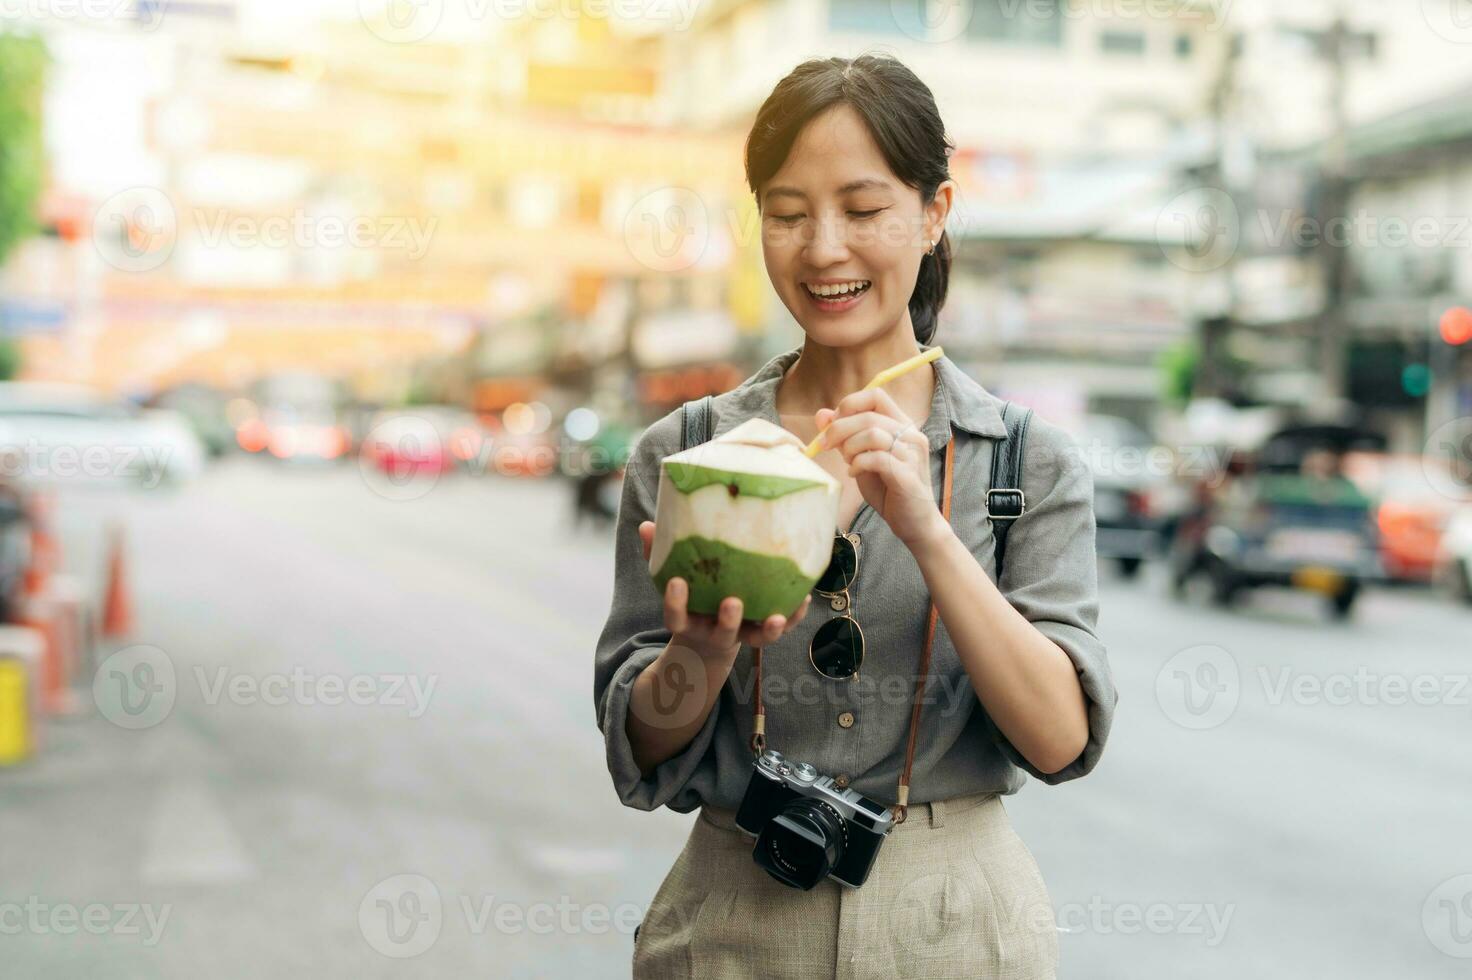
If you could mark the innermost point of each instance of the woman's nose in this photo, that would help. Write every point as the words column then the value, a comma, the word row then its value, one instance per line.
column 829, row 243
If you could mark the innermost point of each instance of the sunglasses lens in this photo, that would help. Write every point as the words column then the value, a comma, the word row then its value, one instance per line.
column 838, row 648
column 841, row 567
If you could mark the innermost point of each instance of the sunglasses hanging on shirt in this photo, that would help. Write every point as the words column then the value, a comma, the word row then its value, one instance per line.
column 837, row 649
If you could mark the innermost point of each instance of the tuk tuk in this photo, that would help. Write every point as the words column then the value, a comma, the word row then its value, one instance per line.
column 1285, row 515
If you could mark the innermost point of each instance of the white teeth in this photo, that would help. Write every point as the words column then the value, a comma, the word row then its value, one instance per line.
column 838, row 289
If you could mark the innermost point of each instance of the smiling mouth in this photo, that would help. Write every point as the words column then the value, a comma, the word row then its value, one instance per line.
column 831, row 295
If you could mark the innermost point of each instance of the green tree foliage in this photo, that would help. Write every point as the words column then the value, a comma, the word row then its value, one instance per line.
column 1178, row 367
column 22, row 71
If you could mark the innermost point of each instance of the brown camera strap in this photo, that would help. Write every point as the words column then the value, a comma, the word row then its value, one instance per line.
column 759, row 714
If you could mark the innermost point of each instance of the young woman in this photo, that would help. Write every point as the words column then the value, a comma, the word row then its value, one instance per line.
column 848, row 162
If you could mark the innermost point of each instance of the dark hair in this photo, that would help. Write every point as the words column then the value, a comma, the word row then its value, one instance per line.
column 901, row 114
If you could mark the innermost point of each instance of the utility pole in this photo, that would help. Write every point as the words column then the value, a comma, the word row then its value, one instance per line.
column 1214, row 330
column 1333, row 201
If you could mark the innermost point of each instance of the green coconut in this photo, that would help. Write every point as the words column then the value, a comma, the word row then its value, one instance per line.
column 746, row 515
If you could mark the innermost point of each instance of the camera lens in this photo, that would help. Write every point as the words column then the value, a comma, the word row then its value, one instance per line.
column 801, row 845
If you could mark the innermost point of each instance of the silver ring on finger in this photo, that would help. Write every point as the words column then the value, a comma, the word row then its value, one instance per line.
column 895, row 442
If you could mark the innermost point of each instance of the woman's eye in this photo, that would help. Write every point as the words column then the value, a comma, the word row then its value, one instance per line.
column 787, row 219
column 866, row 214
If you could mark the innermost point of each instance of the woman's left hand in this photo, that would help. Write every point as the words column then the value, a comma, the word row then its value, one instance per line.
column 895, row 483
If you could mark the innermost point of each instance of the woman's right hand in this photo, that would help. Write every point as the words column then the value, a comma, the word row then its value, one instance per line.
column 723, row 633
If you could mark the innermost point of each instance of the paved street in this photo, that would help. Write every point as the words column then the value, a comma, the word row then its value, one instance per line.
column 365, row 689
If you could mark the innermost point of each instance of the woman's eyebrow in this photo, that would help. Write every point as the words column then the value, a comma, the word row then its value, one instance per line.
column 863, row 184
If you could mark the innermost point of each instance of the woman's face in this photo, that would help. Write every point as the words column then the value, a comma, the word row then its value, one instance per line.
column 834, row 216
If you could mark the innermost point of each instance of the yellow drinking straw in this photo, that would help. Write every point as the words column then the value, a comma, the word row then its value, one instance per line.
column 882, row 378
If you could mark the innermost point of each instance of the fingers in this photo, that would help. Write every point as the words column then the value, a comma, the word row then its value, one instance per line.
column 726, row 624
column 872, row 439
column 879, row 461
column 676, row 594
column 765, row 633
column 802, row 611
column 775, row 626
column 875, row 400
column 845, row 427
column 727, row 631
column 726, row 628
column 877, row 450
column 646, row 537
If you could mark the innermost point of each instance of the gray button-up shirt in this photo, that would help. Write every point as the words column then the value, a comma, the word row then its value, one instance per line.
column 1049, row 576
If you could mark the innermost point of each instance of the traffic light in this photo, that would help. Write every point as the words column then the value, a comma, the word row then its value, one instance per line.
column 1456, row 326
column 1415, row 380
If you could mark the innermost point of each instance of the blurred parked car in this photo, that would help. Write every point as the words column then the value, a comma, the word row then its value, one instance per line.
column 1414, row 506
column 295, row 417
column 1286, row 516
column 523, row 454
column 1136, row 498
column 357, row 419
column 303, row 435
column 204, row 408
column 1454, row 557
column 71, row 434
column 425, row 439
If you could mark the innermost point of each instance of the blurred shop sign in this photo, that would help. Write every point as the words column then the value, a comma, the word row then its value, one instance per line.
column 517, row 347
column 491, row 395
column 662, row 388
column 18, row 316
column 1277, row 288
column 990, row 174
column 583, row 291
column 683, row 337
column 604, row 332
column 569, row 85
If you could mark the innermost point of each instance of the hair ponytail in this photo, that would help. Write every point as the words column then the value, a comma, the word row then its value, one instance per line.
column 930, row 291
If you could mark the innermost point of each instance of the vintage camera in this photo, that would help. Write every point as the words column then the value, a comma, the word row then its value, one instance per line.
column 808, row 829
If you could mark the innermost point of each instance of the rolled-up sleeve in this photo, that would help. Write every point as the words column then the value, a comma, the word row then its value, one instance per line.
column 1051, row 576
column 632, row 637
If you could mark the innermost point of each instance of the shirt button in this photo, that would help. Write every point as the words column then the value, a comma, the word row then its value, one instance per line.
column 846, row 720
column 841, row 781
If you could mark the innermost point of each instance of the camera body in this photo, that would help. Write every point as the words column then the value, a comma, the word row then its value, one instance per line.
column 808, row 829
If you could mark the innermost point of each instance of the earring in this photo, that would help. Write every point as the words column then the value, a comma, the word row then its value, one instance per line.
column 931, row 249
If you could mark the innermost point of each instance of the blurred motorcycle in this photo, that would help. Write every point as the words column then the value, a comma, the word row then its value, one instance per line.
column 596, row 496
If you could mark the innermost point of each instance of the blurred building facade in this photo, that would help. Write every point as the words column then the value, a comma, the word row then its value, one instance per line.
column 555, row 209
column 1340, row 131
column 1066, row 122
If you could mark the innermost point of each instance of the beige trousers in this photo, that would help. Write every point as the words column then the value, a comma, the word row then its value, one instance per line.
column 954, row 893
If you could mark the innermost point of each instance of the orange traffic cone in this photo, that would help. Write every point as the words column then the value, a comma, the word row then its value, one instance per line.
column 117, row 608
column 45, row 553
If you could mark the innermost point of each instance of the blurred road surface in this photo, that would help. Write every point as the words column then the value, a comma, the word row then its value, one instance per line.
column 381, row 742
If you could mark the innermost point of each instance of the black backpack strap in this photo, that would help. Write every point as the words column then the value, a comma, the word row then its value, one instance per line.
column 1004, row 501
column 696, row 422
